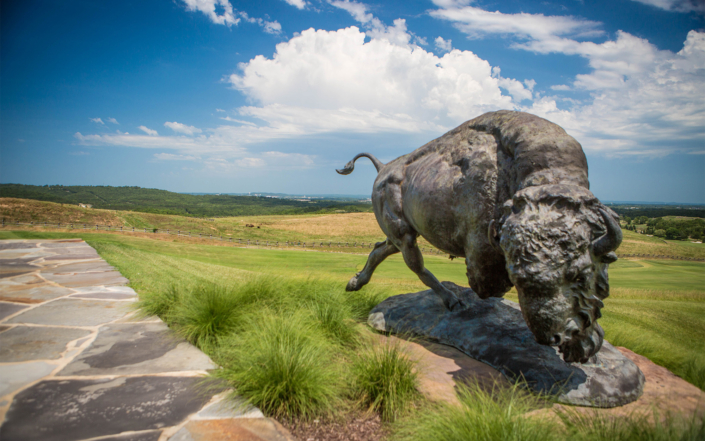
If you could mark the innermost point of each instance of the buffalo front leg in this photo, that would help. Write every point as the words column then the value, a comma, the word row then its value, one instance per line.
column 414, row 260
column 382, row 251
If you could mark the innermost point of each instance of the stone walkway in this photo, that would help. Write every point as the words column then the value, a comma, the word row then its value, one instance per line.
column 76, row 363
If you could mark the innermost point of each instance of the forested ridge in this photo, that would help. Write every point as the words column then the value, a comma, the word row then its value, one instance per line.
column 150, row 200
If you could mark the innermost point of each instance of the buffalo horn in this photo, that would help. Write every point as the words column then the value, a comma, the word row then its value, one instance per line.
column 611, row 239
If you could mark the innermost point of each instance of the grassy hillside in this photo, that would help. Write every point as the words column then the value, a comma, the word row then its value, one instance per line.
column 333, row 227
column 150, row 200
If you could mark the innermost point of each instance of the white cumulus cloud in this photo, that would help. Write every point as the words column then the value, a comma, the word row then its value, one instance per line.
column 642, row 100
column 333, row 80
column 98, row 121
column 182, row 128
column 444, row 45
column 148, row 131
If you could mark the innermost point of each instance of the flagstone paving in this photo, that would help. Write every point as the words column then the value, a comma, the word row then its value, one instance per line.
column 77, row 363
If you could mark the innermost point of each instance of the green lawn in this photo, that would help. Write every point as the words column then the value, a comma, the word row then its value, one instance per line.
column 656, row 307
column 302, row 326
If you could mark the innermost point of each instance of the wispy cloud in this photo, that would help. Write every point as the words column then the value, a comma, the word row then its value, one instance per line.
column 98, row 121
column 113, row 121
column 676, row 5
column 239, row 121
column 397, row 34
column 148, row 131
column 477, row 23
column 182, row 128
column 222, row 12
column 172, row 157
column 224, row 16
column 270, row 27
column 300, row 4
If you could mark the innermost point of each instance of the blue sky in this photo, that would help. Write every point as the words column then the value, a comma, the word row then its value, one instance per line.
column 273, row 95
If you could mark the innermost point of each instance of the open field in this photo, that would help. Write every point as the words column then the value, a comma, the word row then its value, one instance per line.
column 339, row 227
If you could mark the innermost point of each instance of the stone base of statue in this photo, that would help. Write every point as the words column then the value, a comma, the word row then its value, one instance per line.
column 493, row 331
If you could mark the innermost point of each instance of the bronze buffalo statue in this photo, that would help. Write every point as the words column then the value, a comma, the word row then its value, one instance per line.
column 510, row 192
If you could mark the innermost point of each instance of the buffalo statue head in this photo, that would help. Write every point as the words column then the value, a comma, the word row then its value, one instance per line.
column 558, row 241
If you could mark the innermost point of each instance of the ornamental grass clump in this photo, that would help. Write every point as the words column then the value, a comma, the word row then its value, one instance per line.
column 384, row 379
column 637, row 427
column 208, row 312
column 282, row 364
column 160, row 303
column 481, row 416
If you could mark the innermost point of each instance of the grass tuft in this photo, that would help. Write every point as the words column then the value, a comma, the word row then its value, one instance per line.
column 207, row 313
column 160, row 303
column 281, row 364
column 384, row 379
column 588, row 427
column 482, row 415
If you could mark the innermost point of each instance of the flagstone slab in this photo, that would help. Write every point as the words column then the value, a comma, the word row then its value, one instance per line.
column 96, row 265
column 68, row 410
column 229, row 408
column 104, row 296
column 152, row 435
column 17, row 246
column 65, row 244
column 16, row 376
column 32, row 293
column 16, row 266
column 27, row 279
column 7, row 309
column 25, row 343
column 71, row 257
column 74, row 312
column 137, row 348
column 71, row 280
column 244, row 429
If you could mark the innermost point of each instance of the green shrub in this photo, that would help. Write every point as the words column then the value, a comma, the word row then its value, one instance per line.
column 482, row 415
column 384, row 379
column 281, row 364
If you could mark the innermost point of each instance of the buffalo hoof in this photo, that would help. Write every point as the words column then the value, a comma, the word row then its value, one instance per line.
column 455, row 304
column 353, row 284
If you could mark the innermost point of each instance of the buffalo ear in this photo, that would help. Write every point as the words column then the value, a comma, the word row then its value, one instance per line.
column 492, row 236
column 610, row 257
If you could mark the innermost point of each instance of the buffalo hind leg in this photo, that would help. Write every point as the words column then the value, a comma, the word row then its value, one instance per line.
column 382, row 251
column 414, row 260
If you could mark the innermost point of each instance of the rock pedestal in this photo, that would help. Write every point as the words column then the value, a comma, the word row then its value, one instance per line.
column 493, row 331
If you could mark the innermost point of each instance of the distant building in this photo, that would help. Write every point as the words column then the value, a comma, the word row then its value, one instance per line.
column 85, row 205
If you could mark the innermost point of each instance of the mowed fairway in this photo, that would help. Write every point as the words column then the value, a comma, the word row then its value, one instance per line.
column 656, row 307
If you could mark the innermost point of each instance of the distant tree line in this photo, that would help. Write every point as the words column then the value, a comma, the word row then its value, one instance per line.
column 674, row 229
column 654, row 211
column 149, row 200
